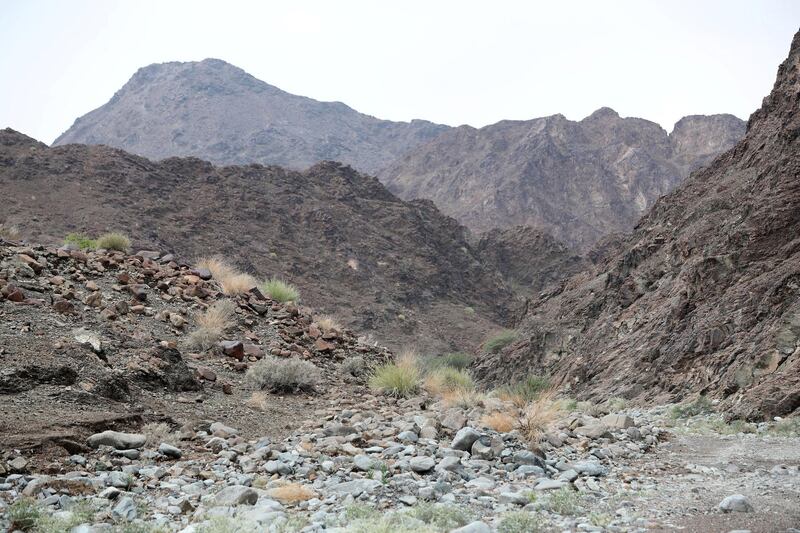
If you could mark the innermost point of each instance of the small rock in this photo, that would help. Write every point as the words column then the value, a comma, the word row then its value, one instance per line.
column 617, row 421
column 473, row 527
column 235, row 495
column 118, row 440
column 125, row 509
column 422, row 464
column 735, row 503
column 464, row 439
column 169, row 450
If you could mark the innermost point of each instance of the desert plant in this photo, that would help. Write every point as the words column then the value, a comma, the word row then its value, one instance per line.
column 211, row 324
column 292, row 493
column 520, row 522
column 80, row 241
column 257, row 401
column 228, row 524
column 564, row 501
column 499, row 421
column 447, row 379
column 284, row 375
column 701, row 406
column 789, row 427
column 280, row 291
column 457, row 360
column 327, row 323
column 9, row 232
column 113, row 241
column 499, row 341
column 80, row 513
column 526, row 390
column 23, row 514
column 400, row 378
column 538, row 416
column 355, row 366
column 230, row 280
column 616, row 403
column 463, row 398
column 441, row 516
column 158, row 432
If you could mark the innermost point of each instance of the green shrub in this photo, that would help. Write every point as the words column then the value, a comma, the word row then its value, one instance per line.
column 564, row 501
column 284, row 374
column 441, row 516
column 527, row 390
column 500, row 341
column 400, row 378
column 701, row 406
column 520, row 522
column 789, row 427
column 355, row 366
column 457, row 360
column 80, row 241
column 113, row 241
column 24, row 514
column 447, row 379
column 280, row 291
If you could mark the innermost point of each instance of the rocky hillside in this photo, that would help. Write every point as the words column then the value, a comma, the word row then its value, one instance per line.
column 213, row 110
column 578, row 181
column 703, row 297
column 398, row 269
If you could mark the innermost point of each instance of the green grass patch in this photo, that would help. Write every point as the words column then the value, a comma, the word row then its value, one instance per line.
column 500, row 341
column 564, row 501
column 400, row 378
column 80, row 241
column 520, row 522
column 701, row 406
column 113, row 241
column 280, row 291
column 457, row 360
column 786, row 427
column 526, row 390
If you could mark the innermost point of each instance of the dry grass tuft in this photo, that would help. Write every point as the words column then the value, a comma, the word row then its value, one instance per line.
column 463, row 398
column 257, row 401
column 327, row 323
column 292, row 493
column 229, row 278
column 284, row 374
column 445, row 379
column 400, row 378
column 8, row 232
column 499, row 421
column 212, row 323
column 538, row 416
column 114, row 241
column 158, row 432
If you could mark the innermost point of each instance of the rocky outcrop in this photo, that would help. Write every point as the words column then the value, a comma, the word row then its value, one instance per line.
column 216, row 111
column 578, row 181
column 702, row 298
column 399, row 270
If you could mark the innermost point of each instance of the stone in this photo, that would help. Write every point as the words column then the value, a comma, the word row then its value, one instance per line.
column 465, row 438
column 356, row 487
column 18, row 464
column 219, row 429
column 65, row 307
column 735, row 503
column 233, row 349
column 481, row 483
column 118, row 440
column 422, row 464
column 593, row 431
column 138, row 291
column 125, row 509
column 169, row 450
column 363, row 462
column 617, row 421
column 550, row 484
column 454, row 420
column 235, row 495
column 89, row 339
column 516, row 498
column 473, row 527
column 590, row 468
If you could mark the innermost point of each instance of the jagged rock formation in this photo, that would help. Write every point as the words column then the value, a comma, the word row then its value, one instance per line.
column 399, row 269
column 704, row 295
column 577, row 181
column 216, row 111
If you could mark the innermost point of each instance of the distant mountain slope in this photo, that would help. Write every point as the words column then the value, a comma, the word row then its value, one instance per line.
column 216, row 111
column 400, row 270
column 577, row 181
column 702, row 298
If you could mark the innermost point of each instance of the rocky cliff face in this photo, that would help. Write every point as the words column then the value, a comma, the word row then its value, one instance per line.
column 213, row 110
column 400, row 270
column 578, row 181
column 703, row 297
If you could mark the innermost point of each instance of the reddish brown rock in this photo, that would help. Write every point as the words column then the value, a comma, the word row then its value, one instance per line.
column 65, row 307
column 233, row 349
column 323, row 346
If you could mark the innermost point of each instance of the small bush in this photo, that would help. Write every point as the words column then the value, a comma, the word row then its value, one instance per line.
column 498, row 421
column 231, row 280
column 292, row 493
column 457, row 360
column 400, row 378
column 538, row 416
column 441, row 516
column 80, row 241
column 463, row 398
column 525, row 391
column 284, row 375
column 227, row 524
column 564, row 501
column 212, row 324
column 446, row 379
column 327, row 323
column 114, row 241
column 701, row 406
column 257, row 401
column 788, row 427
column 500, row 341
column 158, row 432
column 355, row 366
column 8, row 232
column 280, row 291
column 24, row 514
column 520, row 522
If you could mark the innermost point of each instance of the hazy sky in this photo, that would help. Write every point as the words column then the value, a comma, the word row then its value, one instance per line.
column 458, row 62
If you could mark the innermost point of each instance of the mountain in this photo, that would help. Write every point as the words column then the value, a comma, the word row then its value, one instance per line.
column 400, row 270
column 216, row 111
column 578, row 181
column 703, row 297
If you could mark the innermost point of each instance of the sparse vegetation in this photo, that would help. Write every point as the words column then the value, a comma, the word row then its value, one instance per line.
column 284, row 374
column 525, row 391
column 292, row 493
column 446, row 379
column 400, row 378
column 499, row 421
column 80, row 241
column 158, row 432
column 355, row 366
column 24, row 514
column 228, row 524
column 280, row 291
column 441, row 516
column 564, row 501
column 701, row 406
column 520, row 522
column 257, row 401
column 9, row 232
column 114, row 241
column 538, row 416
column 457, row 360
column 787, row 427
column 231, row 280
column 500, row 341
column 463, row 398
column 616, row 404
column 212, row 324
column 327, row 323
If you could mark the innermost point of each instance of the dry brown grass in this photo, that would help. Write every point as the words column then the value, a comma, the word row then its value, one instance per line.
column 539, row 416
column 212, row 323
column 292, row 493
column 229, row 278
column 463, row 398
column 9, row 232
column 158, row 432
column 327, row 323
column 257, row 401
column 499, row 421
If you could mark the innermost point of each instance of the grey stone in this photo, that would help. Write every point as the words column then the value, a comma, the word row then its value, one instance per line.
column 617, row 421
column 356, row 487
column 590, row 468
column 408, row 436
column 221, row 430
column 235, row 495
column 736, row 503
column 465, row 438
column 473, row 527
column 422, row 464
column 169, row 450
column 593, row 431
column 117, row 439
column 550, row 484
column 125, row 509
column 364, row 463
